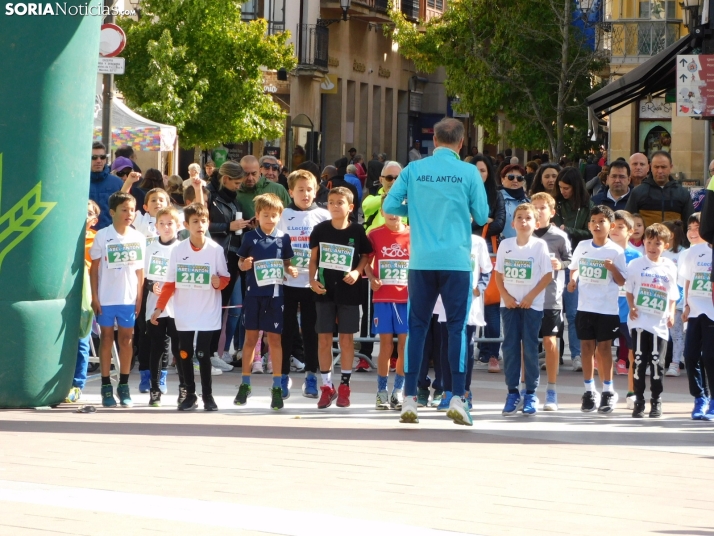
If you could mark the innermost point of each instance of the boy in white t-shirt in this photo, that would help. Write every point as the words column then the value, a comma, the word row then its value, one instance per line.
column 598, row 270
column 162, row 336
column 652, row 295
column 696, row 271
column 523, row 271
column 195, row 276
column 117, row 278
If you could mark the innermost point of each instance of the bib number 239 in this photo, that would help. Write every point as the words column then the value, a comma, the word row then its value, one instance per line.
column 123, row 254
column 336, row 257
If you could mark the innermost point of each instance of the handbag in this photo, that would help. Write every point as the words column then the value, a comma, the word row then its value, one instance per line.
column 491, row 296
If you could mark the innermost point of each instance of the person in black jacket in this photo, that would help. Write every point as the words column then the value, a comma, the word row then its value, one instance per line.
column 496, row 206
column 617, row 192
column 329, row 179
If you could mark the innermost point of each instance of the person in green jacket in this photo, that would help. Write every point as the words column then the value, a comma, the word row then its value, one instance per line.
column 372, row 203
column 256, row 184
column 572, row 211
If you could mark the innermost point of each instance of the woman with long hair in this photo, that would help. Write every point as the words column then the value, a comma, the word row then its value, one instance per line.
column 572, row 214
column 496, row 207
column 546, row 180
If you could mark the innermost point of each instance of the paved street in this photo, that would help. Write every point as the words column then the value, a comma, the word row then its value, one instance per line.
column 303, row 471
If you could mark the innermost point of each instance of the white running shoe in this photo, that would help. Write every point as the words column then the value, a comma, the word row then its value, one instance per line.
column 214, row 370
column 257, row 367
column 268, row 365
column 221, row 365
column 227, row 357
column 409, row 413
column 673, row 370
column 382, row 401
column 577, row 365
column 296, row 365
column 631, row 401
column 458, row 412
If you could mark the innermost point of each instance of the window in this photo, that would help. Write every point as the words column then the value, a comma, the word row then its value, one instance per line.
column 658, row 9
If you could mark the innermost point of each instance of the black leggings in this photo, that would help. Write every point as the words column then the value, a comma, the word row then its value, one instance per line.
column 163, row 337
column 203, row 346
column 649, row 349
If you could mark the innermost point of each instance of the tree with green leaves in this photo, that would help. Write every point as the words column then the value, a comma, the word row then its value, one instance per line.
column 521, row 58
column 194, row 64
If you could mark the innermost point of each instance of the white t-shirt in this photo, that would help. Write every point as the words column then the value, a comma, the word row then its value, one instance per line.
column 197, row 308
column 156, row 268
column 696, row 268
column 298, row 225
column 677, row 258
column 481, row 264
column 652, row 286
column 121, row 256
column 597, row 290
column 523, row 267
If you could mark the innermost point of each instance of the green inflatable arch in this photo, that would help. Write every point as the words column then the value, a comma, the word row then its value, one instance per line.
column 48, row 70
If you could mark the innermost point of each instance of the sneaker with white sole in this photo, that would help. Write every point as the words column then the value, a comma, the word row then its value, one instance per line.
column 480, row 365
column 630, row 400
column 296, row 365
column 409, row 413
column 220, row 364
column 268, row 364
column 257, row 367
column 396, row 399
column 382, row 401
column 551, row 401
column 214, row 371
column 608, row 401
column 673, row 370
column 459, row 412
column 577, row 364
column 227, row 357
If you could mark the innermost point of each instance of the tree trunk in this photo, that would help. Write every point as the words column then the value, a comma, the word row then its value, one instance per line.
column 197, row 154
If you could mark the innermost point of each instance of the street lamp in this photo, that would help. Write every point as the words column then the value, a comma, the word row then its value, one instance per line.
column 345, row 5
column 691, row 13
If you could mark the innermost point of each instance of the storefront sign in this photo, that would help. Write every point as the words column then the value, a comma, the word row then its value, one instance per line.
column 656, row 109
column 695, row 85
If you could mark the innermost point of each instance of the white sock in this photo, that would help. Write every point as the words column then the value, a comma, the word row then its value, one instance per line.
column 607, row 387
column 326, row 378
column 589, row 385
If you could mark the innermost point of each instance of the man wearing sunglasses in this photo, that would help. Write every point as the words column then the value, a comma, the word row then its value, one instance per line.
column 373, row 203
column 256, row 183
column 102, row 184
column 440, row 194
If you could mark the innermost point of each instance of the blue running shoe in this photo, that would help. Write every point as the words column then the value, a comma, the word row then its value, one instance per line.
column 144, row 381
column 709, row 415
column 124, row 396
column 529, row 405
column 444, row 402
column 309, row 388
column 520, row 402
column 470, row 401
column 108, row 400
column 513, row 400
column 551, row 401
column 162, row 382
column 700, row 408
column 286, row 383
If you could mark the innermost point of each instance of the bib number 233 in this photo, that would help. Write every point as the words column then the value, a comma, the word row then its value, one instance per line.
column 336, row 257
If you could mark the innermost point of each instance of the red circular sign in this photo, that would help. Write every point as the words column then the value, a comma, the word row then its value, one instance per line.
column 111, row 41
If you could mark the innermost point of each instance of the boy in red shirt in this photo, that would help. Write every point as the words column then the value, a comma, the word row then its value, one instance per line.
column 387, row 273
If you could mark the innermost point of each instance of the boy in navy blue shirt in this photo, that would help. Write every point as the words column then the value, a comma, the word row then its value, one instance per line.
column 265, row 255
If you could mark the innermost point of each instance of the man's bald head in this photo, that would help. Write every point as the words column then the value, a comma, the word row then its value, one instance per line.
column 640, row 167
column 251, row 167
column 329, row 172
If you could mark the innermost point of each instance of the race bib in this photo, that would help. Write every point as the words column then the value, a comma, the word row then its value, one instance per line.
column 119, row 255
column 336, row 257
column 151, row 240
column 158, row 266
column 517, row 272
column 301, row 260
column 193, row 276
column 592, row 271
column 393, row 272
column 268, row 272
column 701, row 285
column 652, row 300
column 622, row 293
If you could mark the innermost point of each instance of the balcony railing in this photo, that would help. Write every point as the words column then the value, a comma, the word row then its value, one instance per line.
column 410, row 9
column 312, row 45
column 632, row 38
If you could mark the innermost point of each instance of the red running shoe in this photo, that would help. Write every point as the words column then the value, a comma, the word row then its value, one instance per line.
column 343, row 396
column 328, row 395
column 392, row 364
column 362, row 365
column 621, row 367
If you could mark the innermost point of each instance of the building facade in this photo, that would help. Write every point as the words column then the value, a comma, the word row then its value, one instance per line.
column 633, row 32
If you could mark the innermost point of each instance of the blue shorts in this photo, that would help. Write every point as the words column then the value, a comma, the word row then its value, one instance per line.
column 389, row 318
column 125, row 316
column 263, row 313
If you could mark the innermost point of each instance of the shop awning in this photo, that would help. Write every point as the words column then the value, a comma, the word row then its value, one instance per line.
column 656, row 75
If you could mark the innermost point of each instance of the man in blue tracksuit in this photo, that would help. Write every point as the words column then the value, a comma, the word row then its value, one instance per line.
column 440, row 194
